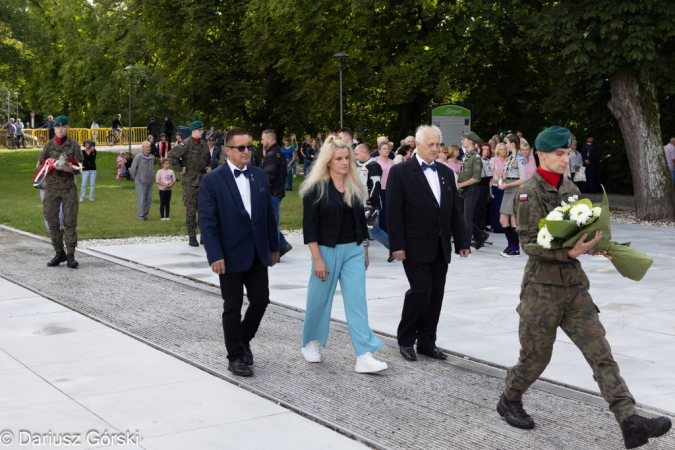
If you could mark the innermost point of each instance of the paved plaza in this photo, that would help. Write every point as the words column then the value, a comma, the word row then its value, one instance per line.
column 135, row 344
column 479, row 318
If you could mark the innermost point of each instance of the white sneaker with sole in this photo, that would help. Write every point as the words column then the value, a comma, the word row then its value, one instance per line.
column 367, row 364
column 311, row 352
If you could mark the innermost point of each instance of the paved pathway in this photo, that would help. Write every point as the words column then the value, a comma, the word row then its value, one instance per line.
column 426, row 404
column 64, row 373
column 481, row 321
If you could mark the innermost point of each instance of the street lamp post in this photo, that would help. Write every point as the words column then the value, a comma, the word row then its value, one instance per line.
column 340, row 55
column 130, row 69
column 17, row 103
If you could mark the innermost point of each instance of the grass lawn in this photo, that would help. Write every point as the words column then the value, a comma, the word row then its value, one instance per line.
column 112, row 214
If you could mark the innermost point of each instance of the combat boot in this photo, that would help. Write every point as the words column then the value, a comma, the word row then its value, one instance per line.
column 58, row 259
column 193, row 241
column 637, row 430
column 514, row 414
column 72, row 263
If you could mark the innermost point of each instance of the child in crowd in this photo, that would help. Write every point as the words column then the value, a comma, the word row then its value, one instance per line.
column 165, row 179
column 122, row 170
column 163, row 146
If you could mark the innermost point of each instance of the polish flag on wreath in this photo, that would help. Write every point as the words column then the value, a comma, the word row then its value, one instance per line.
column 53, row 164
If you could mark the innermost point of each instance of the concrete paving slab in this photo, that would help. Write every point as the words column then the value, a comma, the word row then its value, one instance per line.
column 636, row 315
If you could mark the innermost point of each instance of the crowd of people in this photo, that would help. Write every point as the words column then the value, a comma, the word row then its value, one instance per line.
column 345, row 193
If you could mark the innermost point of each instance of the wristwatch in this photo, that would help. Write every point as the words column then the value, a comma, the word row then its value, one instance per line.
column 366, row 243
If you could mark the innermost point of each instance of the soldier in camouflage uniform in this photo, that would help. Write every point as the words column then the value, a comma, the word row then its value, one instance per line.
column 196, row 160
column 60, row 188
column 555, row 294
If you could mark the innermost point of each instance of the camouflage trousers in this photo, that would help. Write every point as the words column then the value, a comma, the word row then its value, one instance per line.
column 190, row 200
column 545, row 307
column 62, row 193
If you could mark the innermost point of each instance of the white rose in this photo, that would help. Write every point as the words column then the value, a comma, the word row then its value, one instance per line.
column 597, row 211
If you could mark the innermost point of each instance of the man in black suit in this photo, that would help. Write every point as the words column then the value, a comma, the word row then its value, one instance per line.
column 215, row 153
column 236, row 218
column 423, row 207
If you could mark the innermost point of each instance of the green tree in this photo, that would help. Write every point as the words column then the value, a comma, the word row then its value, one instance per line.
column 630, row 43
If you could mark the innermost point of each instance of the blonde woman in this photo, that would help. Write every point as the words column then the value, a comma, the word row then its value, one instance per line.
column 526, row 151
column 453, row 159
column 334, row 228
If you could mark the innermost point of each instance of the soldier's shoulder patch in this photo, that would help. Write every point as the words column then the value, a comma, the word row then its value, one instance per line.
column 522, row 197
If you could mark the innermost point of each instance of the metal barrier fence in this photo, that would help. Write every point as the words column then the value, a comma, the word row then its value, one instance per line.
column 102, row 136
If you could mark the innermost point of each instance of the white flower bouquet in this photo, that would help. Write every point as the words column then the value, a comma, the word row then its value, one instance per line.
column 565, row 225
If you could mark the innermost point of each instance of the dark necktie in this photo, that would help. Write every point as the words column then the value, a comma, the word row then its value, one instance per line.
column 246, row 173
column 431, row 166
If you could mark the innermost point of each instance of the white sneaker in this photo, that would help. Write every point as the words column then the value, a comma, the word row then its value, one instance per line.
column 311, row 352
column 367, row 364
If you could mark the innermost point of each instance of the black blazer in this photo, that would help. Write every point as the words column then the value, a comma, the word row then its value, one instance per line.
column 321, row 220
column 414, row 218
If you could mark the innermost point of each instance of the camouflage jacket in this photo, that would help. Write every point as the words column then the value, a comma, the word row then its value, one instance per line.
column 534, row 200
column 195, row 158
column 53, row 150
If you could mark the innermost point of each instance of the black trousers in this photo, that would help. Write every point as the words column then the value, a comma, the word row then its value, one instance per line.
column 481, row 206
column 470, row 196
column 239, row 332
column 164, row 203
column 423, row 301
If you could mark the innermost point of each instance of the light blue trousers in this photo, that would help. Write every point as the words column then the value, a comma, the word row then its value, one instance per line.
column 90, row 176
column 346, row 263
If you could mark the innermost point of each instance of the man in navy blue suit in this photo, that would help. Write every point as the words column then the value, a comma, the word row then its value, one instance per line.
column 241, row 239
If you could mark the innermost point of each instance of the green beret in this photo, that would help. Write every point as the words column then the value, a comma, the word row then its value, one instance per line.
column 196, row 125
column 553, row 138
column 60, row 121
column 470, row 135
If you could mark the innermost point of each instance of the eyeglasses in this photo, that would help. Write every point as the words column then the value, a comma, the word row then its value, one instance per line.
column 242, row 148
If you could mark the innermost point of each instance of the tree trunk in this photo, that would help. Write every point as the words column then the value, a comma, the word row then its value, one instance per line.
column 635, row 106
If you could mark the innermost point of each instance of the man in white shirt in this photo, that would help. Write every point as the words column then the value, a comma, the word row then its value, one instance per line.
column 241, row 240
column 670, row 157
column 423, row 208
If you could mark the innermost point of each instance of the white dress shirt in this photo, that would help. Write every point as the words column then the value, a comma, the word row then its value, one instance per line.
column 244, row 185
column 432, row 178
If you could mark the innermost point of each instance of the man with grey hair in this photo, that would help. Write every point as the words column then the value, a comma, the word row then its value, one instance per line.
column 142, row 171
column 670, row 157
column 423, row 206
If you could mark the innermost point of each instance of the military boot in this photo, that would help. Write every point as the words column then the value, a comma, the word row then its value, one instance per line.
column 193, row 241
column 637, row 430
column 514, row 414
column 72, row 263
column 58, row 259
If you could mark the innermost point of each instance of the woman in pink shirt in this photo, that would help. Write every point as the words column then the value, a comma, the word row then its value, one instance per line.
column 498, row 164
column 453, row 160
column 386, row 164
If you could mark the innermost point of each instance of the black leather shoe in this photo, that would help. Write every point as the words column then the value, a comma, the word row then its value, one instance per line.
column 193, row 241
column 285, row 248
column 514, row 413
column 391, row 258
column 637, row 430
column 432, row 353
column 58, row 259
column 408, row 353
column 201, row 240
column 239, row 368
column 72, row 263
column 480, row 243
column 248, row 355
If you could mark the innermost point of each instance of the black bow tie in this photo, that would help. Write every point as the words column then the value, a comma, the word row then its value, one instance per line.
column 246, row 173
column 431, row 166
